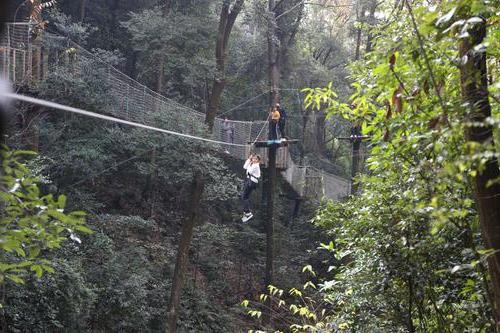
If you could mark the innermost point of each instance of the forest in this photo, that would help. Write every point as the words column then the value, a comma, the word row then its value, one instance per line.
column 301, row 166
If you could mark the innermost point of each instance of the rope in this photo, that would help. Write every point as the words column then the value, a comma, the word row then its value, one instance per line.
column 247, row 101
column 109, row 118
column 263, row 126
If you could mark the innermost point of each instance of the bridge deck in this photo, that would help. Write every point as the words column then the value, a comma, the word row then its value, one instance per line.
column 26, row 61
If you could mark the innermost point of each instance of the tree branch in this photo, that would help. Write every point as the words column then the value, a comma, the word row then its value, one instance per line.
column 426, row 58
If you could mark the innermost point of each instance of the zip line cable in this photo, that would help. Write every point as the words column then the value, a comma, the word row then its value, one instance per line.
column 136, row 102
column 115, row 166
column 255, row 97
column 246, row 102
column 260, row 132
column 90, row 114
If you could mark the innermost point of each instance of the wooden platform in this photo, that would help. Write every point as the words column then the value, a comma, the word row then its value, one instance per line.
column 282, row 153
column 269, row 143
column 354, row 137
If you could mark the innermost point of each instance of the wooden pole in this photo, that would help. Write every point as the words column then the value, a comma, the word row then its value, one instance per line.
column 274, row 81
column 356, row 146
column 182, row 254
column 356, row 138
column 270, row 227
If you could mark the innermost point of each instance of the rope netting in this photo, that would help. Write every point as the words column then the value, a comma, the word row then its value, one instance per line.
column 13, row 53
column 26, row 58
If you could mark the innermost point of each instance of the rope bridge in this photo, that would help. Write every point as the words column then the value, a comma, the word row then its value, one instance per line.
column 27, row 59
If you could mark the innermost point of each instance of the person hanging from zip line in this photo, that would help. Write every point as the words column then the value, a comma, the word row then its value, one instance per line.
column 252, row 169
column 282, row 120
column 274, row 118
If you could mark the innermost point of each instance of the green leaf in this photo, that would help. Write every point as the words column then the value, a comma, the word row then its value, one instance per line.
column 308, row 268
column 38, row 270
column 34, row 252
column 61, row 201
column 15, row 279
column 48, row 269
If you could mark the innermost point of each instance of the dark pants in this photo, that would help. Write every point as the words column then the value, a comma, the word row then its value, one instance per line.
column 273, row 131
column 282, row 127
column 245, row 196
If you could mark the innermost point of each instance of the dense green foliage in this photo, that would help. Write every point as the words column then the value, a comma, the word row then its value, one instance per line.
column 31, row 223
column 410, row 253
column 405, row 255
column 134, row 186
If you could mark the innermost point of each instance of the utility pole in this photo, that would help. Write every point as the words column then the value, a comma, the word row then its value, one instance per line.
column 270, row 222
column 274, row 80
column 273, row 146
column 356, row 139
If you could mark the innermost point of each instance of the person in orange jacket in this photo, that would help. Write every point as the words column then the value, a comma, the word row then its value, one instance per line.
column 274, row 118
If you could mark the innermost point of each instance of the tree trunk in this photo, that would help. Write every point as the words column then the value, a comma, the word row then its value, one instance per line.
column 355, row 167
column 411, row 298
column 240, row 270
column 288, row 32
column 361, row 16
column 270, row 229
column 226, row 23
column 36, row 72
column 305, row 118
column 32, row 131
column 371, row 19
column 320, row 132
column 153, row 194
column 83, row 7
column 474, row 87
column 274, row 79
column 182, row 254
column 356, row 159
column 296, row 210
column 273, row 54
column 160, row 77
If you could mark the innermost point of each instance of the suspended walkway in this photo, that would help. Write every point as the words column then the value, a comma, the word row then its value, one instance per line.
column 27, row 57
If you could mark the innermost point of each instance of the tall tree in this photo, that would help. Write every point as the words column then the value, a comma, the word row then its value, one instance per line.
column 279, row 38
column 289, row 16
column 274, row 79
column 83, row 9
column 226, row 22
column 365, row 20
column 360, row 15
column 183, row 252
column 474, row 86
column 160, row 75
column 371, row 22
column 273, row 52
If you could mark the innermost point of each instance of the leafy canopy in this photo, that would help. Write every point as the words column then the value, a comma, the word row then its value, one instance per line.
column 31, row 222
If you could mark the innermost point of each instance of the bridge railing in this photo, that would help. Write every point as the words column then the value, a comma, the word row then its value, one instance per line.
column 28, row 56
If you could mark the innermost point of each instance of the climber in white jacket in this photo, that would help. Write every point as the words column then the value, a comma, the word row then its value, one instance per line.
column 252, row 180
